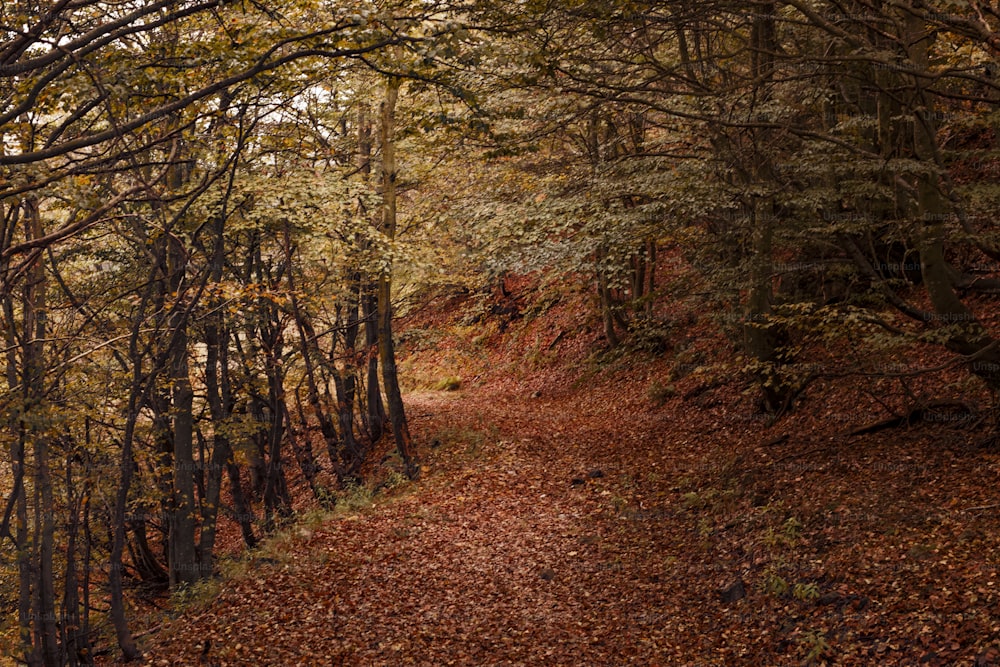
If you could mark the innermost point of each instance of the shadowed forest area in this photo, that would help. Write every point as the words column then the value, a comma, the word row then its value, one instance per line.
column 478, row 333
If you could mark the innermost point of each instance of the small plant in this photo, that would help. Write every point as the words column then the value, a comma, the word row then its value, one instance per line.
column 651, row 335
column 788, row 535
column 233, row 567
column 394, row 479
column 355, row 497
column 692, row 500
column 311, row 519
column 659, row 393
column 773, row 583
column 327, row 498
column 472, row 438
column 619, row 503
column 196, row 596
column 805, row 592
column 792, row 530
column 813, row 643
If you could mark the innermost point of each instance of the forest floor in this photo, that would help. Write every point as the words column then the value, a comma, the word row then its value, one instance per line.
column 614, row 513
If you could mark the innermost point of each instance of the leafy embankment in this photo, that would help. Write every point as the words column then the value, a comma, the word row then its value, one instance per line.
column 569, row 516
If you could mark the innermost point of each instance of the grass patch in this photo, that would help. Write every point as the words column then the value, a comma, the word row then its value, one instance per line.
column 449, row 383
column 197, row 596
column 473, row 439
column 658, row 393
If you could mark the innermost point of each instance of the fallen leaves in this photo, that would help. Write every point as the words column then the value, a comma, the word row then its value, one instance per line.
column 592, row 528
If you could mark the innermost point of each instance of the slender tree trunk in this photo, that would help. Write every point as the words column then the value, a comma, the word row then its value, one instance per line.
column 137, row 390
column 277, row 501
column 118, row 616
column 257, row 452
column 84, row 643
column 607, row 300
column 345, row 379
column 302, row 448
column 307, row 342
column 182, row 549
column 215, row 365
column 761, row 336
column 651, row 277
column 34, row 314
column 18, row 505
column 240, row 506
column 220, row 406
column 376, row 416
column 968, row 336
column 276, row 498
column 73, row 644
column 387, row 354
column 310, row 350
column 143, row 558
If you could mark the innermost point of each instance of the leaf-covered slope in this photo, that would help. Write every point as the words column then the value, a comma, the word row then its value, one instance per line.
column 589, row 526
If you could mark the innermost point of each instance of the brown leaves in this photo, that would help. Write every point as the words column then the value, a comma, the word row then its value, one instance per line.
column 696, row 544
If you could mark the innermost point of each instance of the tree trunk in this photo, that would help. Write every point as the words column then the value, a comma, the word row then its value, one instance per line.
column 41, row 580
column 126, row 469
column 73, row 642
column 967, row 336
column 118, row 617
column 276, row 498
column 84, row 643
column 607, row 301
column 220, row 403
column 302, row 448
column 376, row 408
column 242, row 510
column 387, row 354
column 148, row 567
column 310, row 348
column 374, row 418
column 345, row 380
column 18, row 505
column 216, row 364
column 761, row 336
column 183, row 561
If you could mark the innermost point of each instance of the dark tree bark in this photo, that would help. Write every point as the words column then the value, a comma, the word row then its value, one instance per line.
column 345, row 379
column 183, row 554
column 376, row 414
column 387, row 354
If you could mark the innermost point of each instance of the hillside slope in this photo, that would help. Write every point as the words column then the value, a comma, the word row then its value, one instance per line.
column 573, row 514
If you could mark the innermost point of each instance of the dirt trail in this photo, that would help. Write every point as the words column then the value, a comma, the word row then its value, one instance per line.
column 587, row 527
column 535, row 536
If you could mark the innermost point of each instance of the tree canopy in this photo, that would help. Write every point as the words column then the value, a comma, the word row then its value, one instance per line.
column 211, row 210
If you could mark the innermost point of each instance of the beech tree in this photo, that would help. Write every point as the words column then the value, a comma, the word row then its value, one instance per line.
column 132, row 183
column 210, row 213
column 797, row 136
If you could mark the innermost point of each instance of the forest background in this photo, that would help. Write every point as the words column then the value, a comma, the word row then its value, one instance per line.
column 212, row 211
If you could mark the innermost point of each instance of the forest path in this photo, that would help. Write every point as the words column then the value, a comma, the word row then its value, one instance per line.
column 542, row 532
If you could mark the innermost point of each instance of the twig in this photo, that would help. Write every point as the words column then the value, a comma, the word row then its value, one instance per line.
column 795, row 455
column 983, row 507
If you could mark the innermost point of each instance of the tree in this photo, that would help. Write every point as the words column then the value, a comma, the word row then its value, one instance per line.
column 139, row 152
column 386, row 346
column 752, row 102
